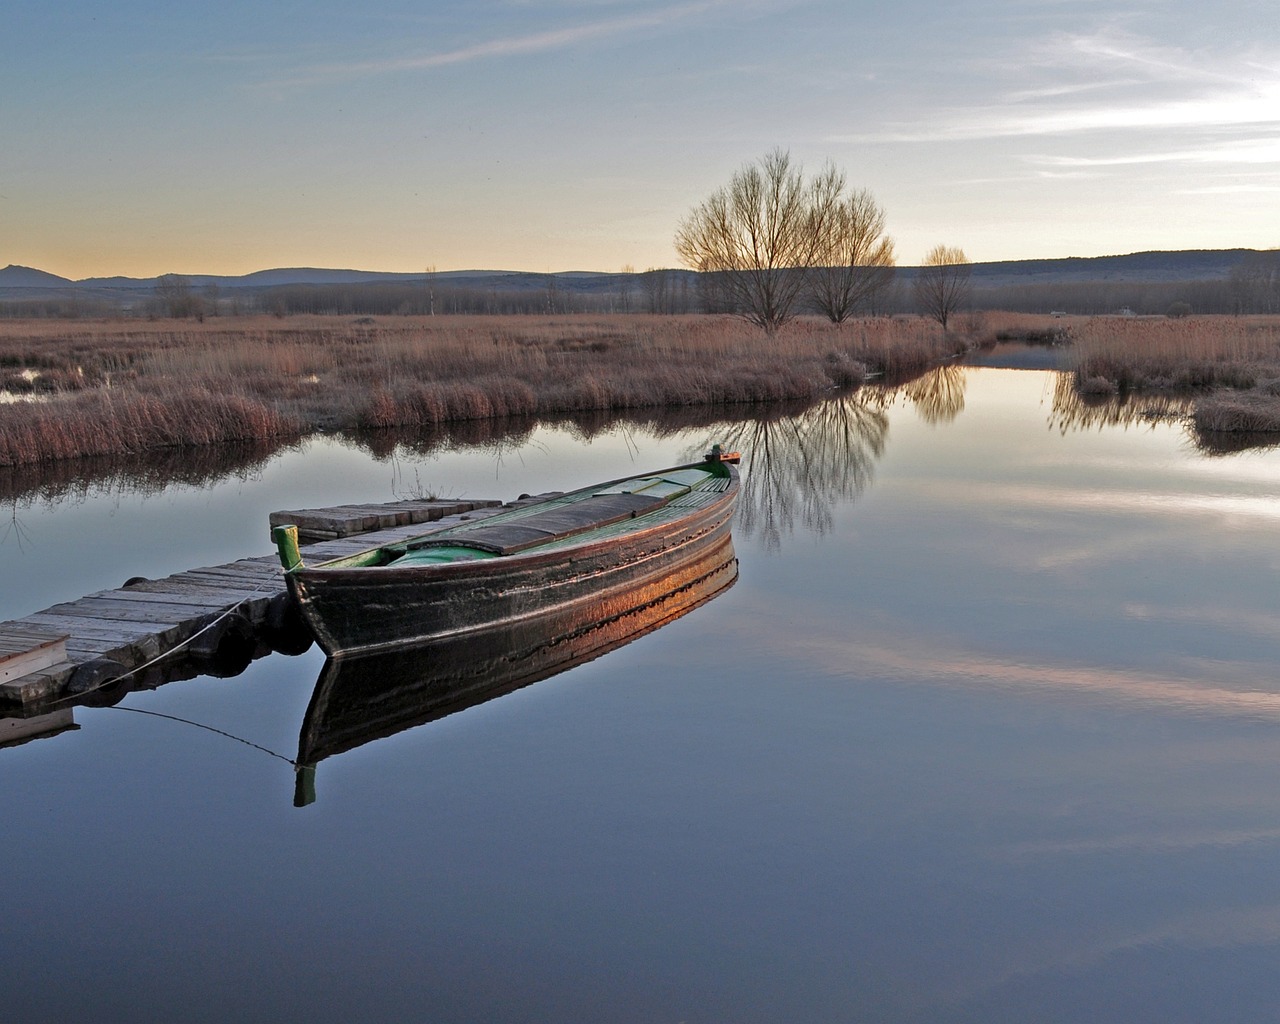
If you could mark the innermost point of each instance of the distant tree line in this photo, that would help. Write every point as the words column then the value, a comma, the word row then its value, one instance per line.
column 1253, row 286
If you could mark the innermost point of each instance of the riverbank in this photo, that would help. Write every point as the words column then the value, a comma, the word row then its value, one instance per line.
column 121, row 386
column 1230, row 363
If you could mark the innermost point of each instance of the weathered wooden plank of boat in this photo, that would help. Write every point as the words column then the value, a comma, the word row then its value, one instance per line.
column 626, row 535
column 16, row 662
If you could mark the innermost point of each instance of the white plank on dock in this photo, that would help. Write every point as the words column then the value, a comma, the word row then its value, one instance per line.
column 16, row 662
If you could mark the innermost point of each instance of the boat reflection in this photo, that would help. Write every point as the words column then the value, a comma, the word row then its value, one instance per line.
column 359, row 699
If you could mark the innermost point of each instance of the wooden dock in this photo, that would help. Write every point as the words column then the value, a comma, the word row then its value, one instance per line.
column 45, row 653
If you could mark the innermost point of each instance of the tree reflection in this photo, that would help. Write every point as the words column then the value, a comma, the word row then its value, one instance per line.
column 939, row 394
column 800, row 466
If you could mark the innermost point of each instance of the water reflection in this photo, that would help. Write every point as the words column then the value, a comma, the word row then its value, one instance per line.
column 1003, row 748
column 801, row 463
column 1073, row 411
column 1219, row 442
column 72, row 480
column 800, row 466
column 357, row 700
column 16, row 731
column 365, row 698
column 939, row 394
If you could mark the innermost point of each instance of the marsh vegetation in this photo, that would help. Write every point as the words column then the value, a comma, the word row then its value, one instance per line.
column 78, row 389
column 106, row 388
column 1231, row 365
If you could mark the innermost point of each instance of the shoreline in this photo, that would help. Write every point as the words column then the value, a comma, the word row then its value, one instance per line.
column 115, row 388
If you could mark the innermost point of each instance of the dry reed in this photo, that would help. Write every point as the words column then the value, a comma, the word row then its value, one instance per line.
column 1235, row 359
column 123, row 386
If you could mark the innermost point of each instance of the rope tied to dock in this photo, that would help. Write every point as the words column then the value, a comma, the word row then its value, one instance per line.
column 209, row 728
column 222, row 616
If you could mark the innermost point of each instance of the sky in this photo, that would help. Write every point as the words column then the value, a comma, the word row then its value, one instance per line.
column 143, row 138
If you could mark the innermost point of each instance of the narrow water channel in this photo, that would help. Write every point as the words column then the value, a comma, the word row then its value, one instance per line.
column 986, row 729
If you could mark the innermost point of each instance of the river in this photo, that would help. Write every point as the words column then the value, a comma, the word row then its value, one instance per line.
column 987, row 730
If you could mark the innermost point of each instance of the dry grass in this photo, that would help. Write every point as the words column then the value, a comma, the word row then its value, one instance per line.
column 1192, row 352
column 120, row 386
column 1235, row 359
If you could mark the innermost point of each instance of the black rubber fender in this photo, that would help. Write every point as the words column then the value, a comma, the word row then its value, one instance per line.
column 283, row 627
column 226, row 648
column 99, row 682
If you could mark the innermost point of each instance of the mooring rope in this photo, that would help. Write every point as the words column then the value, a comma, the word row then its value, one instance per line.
column 210, row 728
column 176, row 647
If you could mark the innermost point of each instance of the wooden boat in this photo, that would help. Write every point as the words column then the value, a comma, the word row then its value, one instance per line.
column 596, row 549
column 365, row 697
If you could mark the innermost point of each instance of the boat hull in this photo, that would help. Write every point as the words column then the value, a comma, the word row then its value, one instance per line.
column 360, row 698
column 365, row 610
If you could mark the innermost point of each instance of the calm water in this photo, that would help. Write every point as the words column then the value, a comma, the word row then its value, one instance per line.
column 987, row 730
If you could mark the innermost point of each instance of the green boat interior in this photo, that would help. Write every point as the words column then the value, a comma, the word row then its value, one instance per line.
column 568, row 517
column 562, row 519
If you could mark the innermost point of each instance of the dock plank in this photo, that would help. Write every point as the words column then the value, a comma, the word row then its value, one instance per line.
column 14, row 664
column 136, row 624
column 143, row 613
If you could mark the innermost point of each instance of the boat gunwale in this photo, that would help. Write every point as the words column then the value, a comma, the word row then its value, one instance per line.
column 552, row 552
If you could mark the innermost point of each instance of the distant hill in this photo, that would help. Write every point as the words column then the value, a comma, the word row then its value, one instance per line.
column 1184, row 265
column 14, row 276
column 1072, row 283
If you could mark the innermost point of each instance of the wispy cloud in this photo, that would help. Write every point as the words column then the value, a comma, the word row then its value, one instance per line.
column 507, row 46
column 1112, row 82
column 1246, row 151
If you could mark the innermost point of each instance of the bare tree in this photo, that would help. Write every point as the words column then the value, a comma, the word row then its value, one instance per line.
column 758, row 235
column 1255, row 282
column 176, row 298
column 942, row 283
column 855, row 259
column 626, row 285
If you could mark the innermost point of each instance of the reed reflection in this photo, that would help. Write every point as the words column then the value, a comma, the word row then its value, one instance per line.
column 72, row 480
column 1072, row 411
